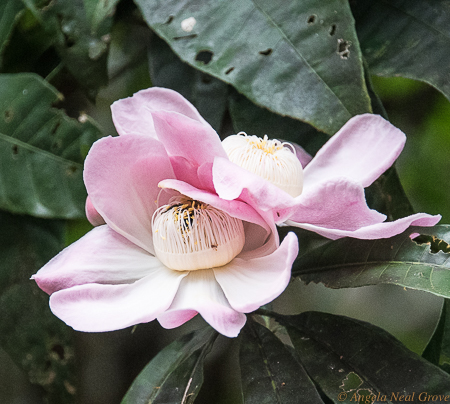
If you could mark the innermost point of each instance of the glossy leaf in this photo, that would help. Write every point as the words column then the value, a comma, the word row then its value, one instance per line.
column 349, row 358
column 9, row 11
column 37, row 341
column 212, row 97
column 301, row 60
column 41, row 150
column 175, row 375
column 349, row 263
column 406, row 38
column 439, row 344
column 254, row 120
column 269, row 372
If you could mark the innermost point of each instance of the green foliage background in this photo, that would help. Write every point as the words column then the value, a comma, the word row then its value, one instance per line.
column 296, row 71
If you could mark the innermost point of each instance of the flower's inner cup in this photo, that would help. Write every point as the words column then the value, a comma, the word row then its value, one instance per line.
column 270, row 159
column 190, row 235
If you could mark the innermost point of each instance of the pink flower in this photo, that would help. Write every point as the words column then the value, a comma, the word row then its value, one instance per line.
column 114, row 276
column 327, row 196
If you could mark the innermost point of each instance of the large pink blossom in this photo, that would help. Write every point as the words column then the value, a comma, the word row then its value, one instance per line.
column 332, row 202
column 111, row 277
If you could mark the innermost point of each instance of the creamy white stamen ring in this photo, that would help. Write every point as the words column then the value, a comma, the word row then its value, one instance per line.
column 272, row 160
column 190, row 235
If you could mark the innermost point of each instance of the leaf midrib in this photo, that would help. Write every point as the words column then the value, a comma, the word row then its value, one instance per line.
column 369, row 263
column 331, row 349
column 283, row 35
column 421, row 22
column 267, row 367
column 37, row 150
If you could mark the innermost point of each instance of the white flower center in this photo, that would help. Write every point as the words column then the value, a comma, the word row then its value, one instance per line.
column 190, row 235
column 270, row 159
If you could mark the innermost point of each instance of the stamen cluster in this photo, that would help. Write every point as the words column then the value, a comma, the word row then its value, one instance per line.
column 271, row 159
column 191, row 235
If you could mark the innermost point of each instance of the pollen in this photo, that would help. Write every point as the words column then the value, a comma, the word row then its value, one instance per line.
column 271, row 159
column 190, row 235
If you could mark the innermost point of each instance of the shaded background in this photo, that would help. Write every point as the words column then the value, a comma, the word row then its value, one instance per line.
column 108, row 362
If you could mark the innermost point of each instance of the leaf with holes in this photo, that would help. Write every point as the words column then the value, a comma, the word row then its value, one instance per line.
column 41, row 150
column 349, row 358
column 301, row 60
column 422, row 263
column 9, row 12
column 38, row 342
column 406, row 38
column 212, row 97
column 175, row 375
column 269, row 372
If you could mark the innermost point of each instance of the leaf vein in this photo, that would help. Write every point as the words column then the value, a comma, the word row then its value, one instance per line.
column 37, row 150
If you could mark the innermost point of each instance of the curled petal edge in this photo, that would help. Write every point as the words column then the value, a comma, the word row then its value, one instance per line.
column 375, row 231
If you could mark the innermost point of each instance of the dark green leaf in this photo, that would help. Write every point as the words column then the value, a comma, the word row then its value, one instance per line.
column 99, row 14
column 175, row 375
column 301, row 60
column 269, row 372
column 34, row 338
column 439, row 343
column 354, row 358
column 30, row 47
column 406, row 38
column 386, row 195
column 208, row 94
column 212, row 97
column 349, row 263
column 9, row 13
column 41, row 150
column 375, row 100
column 254, row 120
column 81, row 33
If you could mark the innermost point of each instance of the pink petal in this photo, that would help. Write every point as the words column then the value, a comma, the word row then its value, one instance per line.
column 250, row 283
column 96, row 308
column 336, row 204
column 121, row 176
column 199, row 292
column 188, row 138
column 205, row 177
column 133, row 115
column 236, row 209
column 101, row 256
column 375, row 231
column 185, row 170
column 232, row 182
column 197, row 176
column 361, row 151
column 92, row 215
